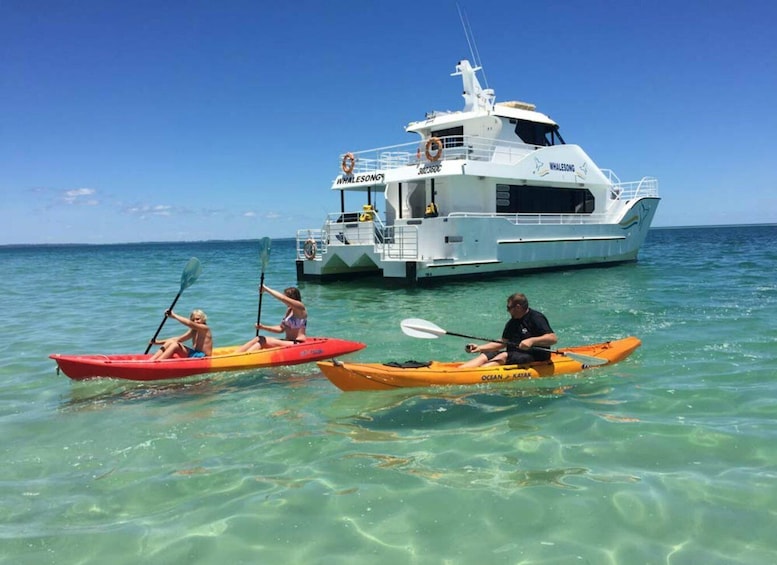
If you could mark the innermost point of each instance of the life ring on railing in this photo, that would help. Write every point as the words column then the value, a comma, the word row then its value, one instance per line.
column 309, row 249
column 434, row 155
column 349, row 162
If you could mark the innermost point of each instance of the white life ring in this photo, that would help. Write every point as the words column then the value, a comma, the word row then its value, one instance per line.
column 309, row 249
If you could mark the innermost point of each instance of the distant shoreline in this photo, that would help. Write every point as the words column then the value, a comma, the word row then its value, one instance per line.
column 27, row 245
column 763, row 225
column 128, row 243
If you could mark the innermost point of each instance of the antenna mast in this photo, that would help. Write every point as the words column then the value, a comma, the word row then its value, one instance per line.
column 473, row 49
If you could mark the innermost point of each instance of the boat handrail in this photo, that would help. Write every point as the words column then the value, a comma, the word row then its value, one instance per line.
column 400, row 244
column 538, row 219
column 477, row 148
column 455, row 147
column 350, row 217
column 346, row 228
column 646, row 187
column 319, row 240
column 643, row 188
column 611, row 176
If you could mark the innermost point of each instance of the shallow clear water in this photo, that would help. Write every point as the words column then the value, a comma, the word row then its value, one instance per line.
column 667, row 457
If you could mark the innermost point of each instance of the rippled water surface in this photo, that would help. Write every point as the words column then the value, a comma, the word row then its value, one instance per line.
column 667, row 457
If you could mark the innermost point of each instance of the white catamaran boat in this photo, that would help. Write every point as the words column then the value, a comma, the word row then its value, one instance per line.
column 492, row 188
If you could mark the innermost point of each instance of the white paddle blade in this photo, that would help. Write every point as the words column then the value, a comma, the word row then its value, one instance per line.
column 416, row 327
column 585, row 359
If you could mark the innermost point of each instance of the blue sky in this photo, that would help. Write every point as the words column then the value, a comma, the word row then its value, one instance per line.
column 171, row 121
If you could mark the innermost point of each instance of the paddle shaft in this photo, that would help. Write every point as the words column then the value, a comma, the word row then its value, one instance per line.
column 164, row 319
column 259, row 309
column 499, row 340
column 264, row 256
column 415, row 327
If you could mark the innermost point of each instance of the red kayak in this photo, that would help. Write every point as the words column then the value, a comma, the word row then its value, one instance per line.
column 139, row 367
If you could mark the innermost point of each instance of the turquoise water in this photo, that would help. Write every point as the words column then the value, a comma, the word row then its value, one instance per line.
column 669, row 457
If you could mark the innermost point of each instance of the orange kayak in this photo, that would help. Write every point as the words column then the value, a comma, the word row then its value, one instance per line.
column 139, row 367
column 379, row 376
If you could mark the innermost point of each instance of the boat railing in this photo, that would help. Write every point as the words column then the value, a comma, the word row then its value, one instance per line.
column 646, row 187
column 348, row 228
column 311, row 244
column 354, row 228
column 538, row 219
column 399, row 244
column 392, row 243
column 455, row 147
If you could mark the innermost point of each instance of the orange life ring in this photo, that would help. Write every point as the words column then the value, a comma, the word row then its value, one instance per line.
column 309, row 249
column 438, row 153
column 349, row 162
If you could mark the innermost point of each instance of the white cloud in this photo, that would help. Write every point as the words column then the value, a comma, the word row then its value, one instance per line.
column 80, row 197
column 162, row 210
column 144, row 210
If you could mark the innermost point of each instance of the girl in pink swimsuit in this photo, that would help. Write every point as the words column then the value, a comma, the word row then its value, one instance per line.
column 293, row 325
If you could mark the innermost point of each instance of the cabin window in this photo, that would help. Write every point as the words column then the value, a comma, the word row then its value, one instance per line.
column 535, row 133
column 451, row 137
column 348, row 217
column 519, row 199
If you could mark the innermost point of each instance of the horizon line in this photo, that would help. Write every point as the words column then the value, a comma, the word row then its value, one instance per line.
column 84, row 244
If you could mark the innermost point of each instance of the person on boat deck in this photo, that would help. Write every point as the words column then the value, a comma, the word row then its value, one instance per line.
column 199, row 333
column 293, row 324
column 524, row 330
column 431, row 211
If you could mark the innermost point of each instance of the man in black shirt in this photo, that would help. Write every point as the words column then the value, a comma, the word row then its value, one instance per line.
column 524, row 330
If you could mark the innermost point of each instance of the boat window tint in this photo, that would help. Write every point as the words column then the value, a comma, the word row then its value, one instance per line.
column 519, row 199
column 535, row 133
column 451, row 137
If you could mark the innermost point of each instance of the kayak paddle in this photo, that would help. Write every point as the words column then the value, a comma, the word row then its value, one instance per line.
column 264, row 256
column 190, row 274
column 416, row 327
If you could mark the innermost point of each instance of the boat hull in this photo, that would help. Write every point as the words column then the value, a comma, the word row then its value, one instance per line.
column 377, row 376
column 483, row 245
column 137, row 367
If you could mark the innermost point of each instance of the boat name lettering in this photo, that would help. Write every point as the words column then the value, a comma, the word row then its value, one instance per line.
column 426, row 170
column 373, row 177
column 567, row 167
column 506, row 377
column 307, row 352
